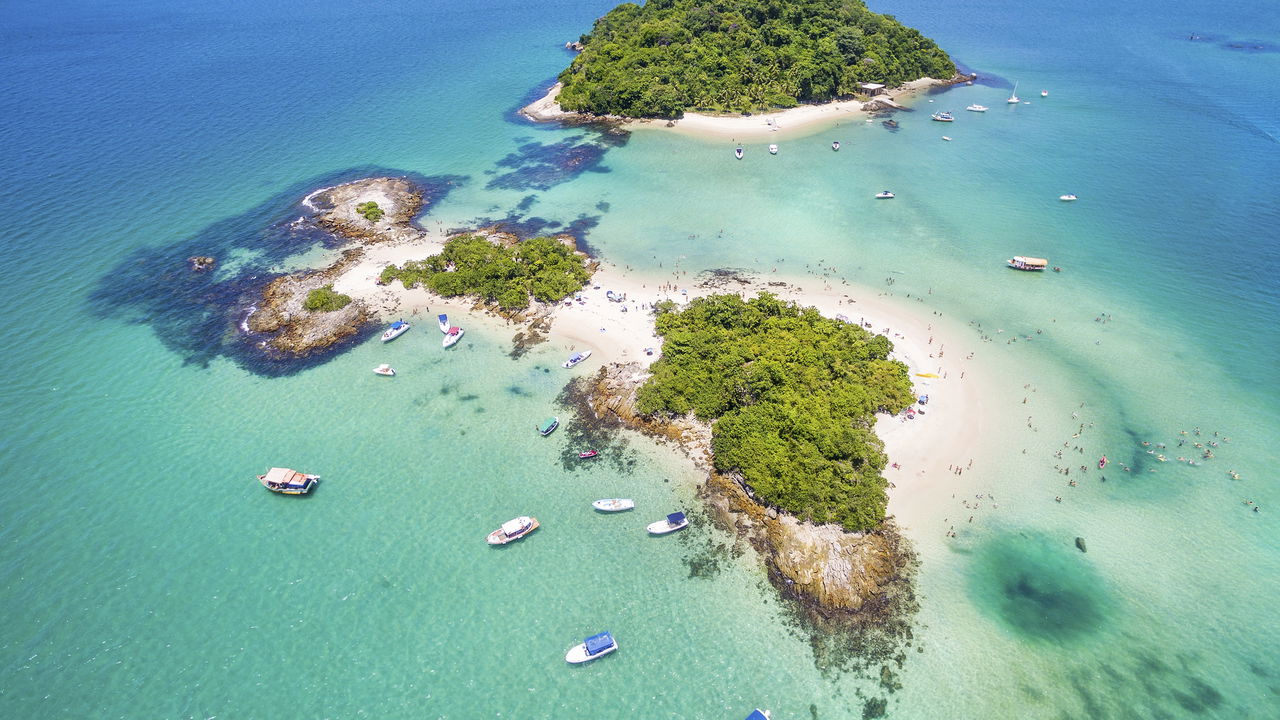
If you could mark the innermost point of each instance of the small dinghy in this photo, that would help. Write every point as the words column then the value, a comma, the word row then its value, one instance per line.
column 588, row 454
column 384, row 369
column 675, row 521
column 773, row 149
column 591, row 648
column 835, row 145
column 614, row 504
column 884, row 195
column 513, row 530
column 397, row 329
column 737, row 152
column 444, row 323
column 575, row 359
column 452, row 337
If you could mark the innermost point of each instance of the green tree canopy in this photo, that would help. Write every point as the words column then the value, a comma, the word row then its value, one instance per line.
column 668, row 56
column 792, row 396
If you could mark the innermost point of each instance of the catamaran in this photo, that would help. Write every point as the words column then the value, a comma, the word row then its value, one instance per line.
column 591, row 648
column 397, row 329
column 288, row 482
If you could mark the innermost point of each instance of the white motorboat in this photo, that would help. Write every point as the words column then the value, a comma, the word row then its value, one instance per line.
column 614, row 504
column 945, row 116
column 1013, row 98
column 737, row 152
column 1067, row 198
column 384, row 369
column 444, row 323
column 576, row 358
column 452, row 337
column 593, row 647
column 397, row 329
column 885, row 195
column 947, row 138
column 1044, row 93
column 675, row 521
column 513, row 530
column 977, row 108
column 288, row 482
column 835, row 145
column 773, row 149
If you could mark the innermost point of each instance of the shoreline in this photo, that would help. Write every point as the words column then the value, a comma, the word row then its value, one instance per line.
column 780, row 123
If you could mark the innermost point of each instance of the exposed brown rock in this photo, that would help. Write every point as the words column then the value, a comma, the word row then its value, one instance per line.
column 300, row 331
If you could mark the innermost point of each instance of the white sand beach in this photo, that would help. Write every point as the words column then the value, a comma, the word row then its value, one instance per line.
column 782, row 123
column 923, row 452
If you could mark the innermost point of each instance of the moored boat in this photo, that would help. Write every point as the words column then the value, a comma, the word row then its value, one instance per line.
column 835, row 145
column 1018, row 262
column 452, row 337
column 737, row 152
column 549, row 425
column 977, row 108
column 1044, row 93
column 588, row 454
column 773, row 149
column 1013, row 97
column 288, row 482
column 384, row 369
column 593, row 647
column 885, row 195
column 513, row 530
column 397, row 329
column 614, row 504
column 576, row 358
column 675, row 521
column 1067, row 198
column 444, row 323
column 943, row 116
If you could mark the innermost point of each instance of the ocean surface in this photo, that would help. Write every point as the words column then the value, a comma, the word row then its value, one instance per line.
column 146, row 574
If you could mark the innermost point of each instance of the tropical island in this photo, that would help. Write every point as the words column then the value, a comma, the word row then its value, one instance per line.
column 667, row 57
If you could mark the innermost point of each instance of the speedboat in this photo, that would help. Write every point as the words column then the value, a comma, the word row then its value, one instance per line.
column 288, row 482
column 737, row 152
column 444, row 323
column 384, row 369
column 588, row 454
column 773, row 149
column 591, row 648
column 977, row 108
column 1018, row 262
column 452, row 337
column 397, row 329
column 947, row 138
column 885, row 195
column 576, row 358
column 675, row 521
column 614, row 504
column 1067, row 198
column 943, row 116
column 549, row 425
column 758, row 714
column 513, row 530
column 835, row 145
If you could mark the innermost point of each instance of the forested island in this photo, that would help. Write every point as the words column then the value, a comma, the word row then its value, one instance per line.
column 669, row 56
column 793, row 397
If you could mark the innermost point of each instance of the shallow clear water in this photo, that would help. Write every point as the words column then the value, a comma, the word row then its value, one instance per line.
column 146, row 574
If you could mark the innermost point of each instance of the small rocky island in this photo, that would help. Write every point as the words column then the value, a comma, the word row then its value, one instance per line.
column 296, row 331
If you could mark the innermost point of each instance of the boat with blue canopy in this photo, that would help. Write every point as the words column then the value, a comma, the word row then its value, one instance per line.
column 675, row 521
column 444, row 323
column 576, row 358
column 593, row 647
column 758, row 714
column 397, row 329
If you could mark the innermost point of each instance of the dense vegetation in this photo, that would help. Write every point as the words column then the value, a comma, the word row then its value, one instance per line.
column 740, row 55
column 543, row 268
column 793, row 396
column 326, row 300
column 370, row 211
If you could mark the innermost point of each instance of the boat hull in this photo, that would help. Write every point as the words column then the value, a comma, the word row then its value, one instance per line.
column 614, row 505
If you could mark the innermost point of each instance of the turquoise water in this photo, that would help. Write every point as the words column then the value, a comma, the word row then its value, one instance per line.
column 145, row 573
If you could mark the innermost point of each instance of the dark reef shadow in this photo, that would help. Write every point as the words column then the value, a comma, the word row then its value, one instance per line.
column 198, row 315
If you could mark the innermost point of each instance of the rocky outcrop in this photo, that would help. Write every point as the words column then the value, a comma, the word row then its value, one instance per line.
column 859, row 576
column 399, row 198
column 297, row 331
column 200, row 263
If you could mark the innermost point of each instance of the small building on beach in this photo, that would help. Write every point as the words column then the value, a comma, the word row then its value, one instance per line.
column 871, row 89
